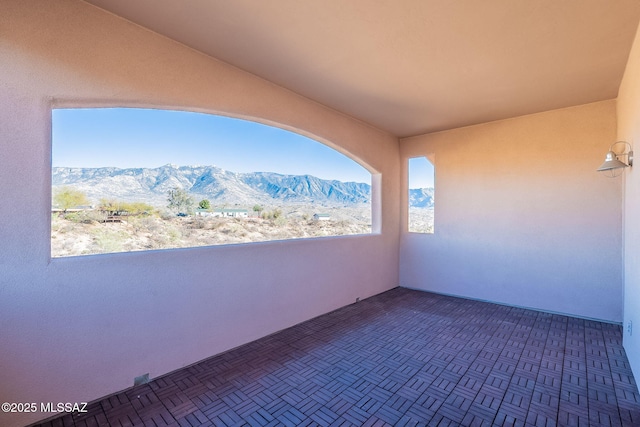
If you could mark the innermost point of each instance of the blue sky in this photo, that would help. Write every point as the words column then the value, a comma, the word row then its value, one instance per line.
column 126, row 138
column 421, row 173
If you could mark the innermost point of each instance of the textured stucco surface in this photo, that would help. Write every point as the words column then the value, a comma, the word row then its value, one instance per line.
column 415, row 66
column 521, row 215
column 76, row 329
column 629, row 130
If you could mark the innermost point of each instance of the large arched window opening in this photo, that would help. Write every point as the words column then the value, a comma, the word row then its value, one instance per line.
column 129, row 179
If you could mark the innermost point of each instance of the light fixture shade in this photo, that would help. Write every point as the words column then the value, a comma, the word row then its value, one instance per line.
column 611, row 162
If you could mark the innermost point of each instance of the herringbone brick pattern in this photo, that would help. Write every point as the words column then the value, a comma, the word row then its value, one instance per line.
column 402, row 358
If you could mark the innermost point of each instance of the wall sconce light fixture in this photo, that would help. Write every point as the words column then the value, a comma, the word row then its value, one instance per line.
column 612, row 165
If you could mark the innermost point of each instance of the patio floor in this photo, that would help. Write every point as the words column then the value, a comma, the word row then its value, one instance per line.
column 402, row 358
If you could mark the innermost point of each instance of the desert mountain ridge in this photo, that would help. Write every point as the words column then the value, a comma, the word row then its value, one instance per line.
column 151, row 185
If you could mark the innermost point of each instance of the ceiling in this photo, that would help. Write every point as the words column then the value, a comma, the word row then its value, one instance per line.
column 412, row 66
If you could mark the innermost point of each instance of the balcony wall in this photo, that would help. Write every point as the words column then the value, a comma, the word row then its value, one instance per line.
column 79, row 328
column 521, row 215
column 629, row 130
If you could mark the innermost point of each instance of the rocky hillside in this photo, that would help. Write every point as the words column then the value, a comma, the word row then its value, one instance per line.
column 218, row 185
column 421, row 198
column 151, row 185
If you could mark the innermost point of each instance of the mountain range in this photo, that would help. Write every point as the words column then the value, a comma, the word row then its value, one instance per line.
column 151, row 185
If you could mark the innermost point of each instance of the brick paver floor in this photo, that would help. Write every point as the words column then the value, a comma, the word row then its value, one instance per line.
column 402, row 358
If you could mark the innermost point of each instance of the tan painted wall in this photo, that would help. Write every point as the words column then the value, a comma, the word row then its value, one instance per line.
column 629, row 130
column 76, row 329
column 521, row 215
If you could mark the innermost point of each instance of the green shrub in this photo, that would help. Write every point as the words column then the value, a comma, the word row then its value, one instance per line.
column 109, row 240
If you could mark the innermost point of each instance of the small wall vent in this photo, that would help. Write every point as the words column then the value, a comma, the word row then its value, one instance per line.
column 142, row 379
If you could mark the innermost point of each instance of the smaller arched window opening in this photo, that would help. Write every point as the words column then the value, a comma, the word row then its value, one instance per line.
column 421, row 198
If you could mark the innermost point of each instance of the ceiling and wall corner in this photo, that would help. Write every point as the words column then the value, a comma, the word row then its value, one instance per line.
column 414, row 66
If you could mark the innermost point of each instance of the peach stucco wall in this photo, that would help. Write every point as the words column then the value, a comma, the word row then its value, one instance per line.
column 79, row 328
column 629, row 130
column 521, row 215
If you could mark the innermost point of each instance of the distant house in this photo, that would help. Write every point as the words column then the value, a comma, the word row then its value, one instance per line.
column 321, row 217
column 204, row 212
column 231, row 213
column 73, row 209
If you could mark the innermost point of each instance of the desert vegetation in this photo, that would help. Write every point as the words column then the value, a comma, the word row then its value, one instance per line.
column 113, row 226
column 421, row 220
